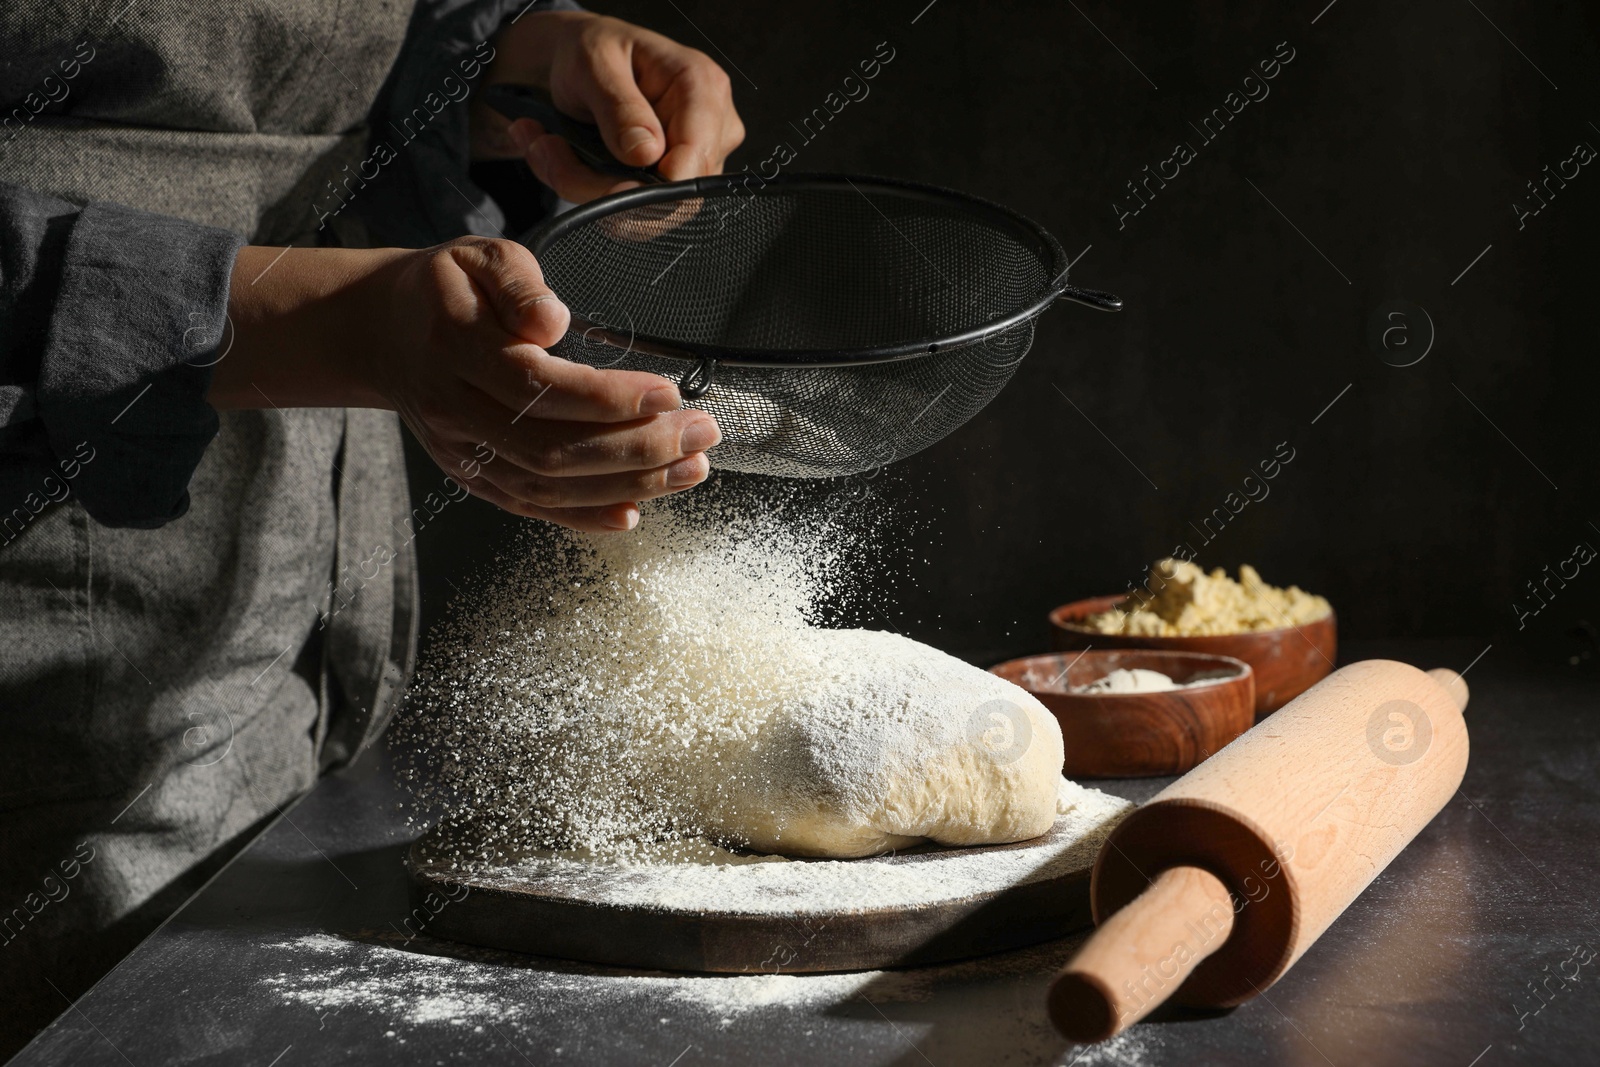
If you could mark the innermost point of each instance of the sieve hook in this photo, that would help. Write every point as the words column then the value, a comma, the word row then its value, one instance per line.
column 693, row 385
column 1093, row 298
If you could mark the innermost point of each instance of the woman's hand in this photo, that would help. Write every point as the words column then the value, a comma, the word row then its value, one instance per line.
column 655, row 101
column 453, row 338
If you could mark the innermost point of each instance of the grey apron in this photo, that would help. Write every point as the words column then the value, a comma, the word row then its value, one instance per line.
column 164, row 691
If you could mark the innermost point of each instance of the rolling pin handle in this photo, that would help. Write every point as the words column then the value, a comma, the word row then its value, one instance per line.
column 1140, row 955
column 1453, row 684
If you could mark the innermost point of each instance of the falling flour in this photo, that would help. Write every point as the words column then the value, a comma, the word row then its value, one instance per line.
column 617, row 696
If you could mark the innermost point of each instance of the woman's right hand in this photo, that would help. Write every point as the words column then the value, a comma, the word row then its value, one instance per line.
column 454, row 339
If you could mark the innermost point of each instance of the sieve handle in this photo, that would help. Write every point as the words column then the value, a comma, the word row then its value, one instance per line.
column 1093, row 298
column 529, row 102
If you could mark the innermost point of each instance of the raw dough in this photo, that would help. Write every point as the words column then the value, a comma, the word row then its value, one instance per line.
column 629, row 694
column 890, row 743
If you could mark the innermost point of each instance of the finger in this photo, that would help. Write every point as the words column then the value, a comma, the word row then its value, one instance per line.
column 489, row 133
column 526, row 382
column 612, row 518
column 555, row 164
column 523, row 132
column 702, row 125
column 509, row 278
column 599, row 490
column 560, row 448
column 627, row 121
column 582, row 449
column 647, row 222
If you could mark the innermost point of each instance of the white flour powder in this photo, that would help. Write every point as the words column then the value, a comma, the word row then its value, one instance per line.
column 989, row 1011
column 728, row 883
column 611, row 693
column 420, row 988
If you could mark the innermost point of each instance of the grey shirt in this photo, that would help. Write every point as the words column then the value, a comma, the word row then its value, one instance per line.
column 200, row 613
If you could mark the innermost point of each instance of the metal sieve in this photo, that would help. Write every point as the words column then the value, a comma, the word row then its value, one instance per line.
column 831, row 323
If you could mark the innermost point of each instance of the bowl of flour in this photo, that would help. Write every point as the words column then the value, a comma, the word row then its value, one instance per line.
column 1129, row 712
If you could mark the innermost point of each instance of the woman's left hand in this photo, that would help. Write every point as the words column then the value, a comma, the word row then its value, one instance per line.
column 655, row 101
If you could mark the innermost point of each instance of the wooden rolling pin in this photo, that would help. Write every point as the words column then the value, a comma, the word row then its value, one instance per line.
column 1211, row 891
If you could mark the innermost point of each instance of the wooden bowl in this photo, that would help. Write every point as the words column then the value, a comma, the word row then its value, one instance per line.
column 1286, row 661
column 1134, row 735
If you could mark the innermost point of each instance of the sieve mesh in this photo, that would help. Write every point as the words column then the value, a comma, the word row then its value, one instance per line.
column 852, row 322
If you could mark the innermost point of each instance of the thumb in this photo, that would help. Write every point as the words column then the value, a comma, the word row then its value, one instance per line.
column 510, row 280
column 626, row 120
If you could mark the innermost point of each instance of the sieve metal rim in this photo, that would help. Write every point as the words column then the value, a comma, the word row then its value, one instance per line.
column 1029, row 232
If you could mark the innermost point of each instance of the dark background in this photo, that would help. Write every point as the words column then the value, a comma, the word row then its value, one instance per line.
column 1392, row 148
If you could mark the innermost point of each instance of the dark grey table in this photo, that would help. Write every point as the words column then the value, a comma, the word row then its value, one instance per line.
column 1476, row 948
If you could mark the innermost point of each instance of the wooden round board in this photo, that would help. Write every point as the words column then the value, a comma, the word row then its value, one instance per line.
column 921, row 906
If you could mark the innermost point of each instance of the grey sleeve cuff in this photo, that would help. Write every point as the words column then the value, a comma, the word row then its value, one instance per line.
column 419, row 125
column 134, row 328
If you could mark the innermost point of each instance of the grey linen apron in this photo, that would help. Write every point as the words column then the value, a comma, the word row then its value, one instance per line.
column 164, row 691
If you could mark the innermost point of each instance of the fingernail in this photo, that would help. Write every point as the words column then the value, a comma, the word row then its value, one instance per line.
column 687, row 472
column 661, row 398
column 699, row 436
column 627, row 520
column 547, row 298
column 519, row 136
column 635, row 137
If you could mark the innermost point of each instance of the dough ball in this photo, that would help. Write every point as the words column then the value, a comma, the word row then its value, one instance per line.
column 891, row 744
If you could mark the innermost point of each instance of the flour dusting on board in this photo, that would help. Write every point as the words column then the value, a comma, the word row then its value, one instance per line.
column 732, row 883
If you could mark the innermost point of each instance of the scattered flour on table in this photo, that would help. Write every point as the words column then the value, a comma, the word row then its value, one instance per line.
column 1130, row 1048
column 418, row 988
column 989, row 1010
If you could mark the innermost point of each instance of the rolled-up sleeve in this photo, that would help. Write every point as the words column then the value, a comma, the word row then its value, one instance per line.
column 112, row 319
column 419, row 123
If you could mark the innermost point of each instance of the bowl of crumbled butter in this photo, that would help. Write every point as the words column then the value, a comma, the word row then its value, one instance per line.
column 1287, row 635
